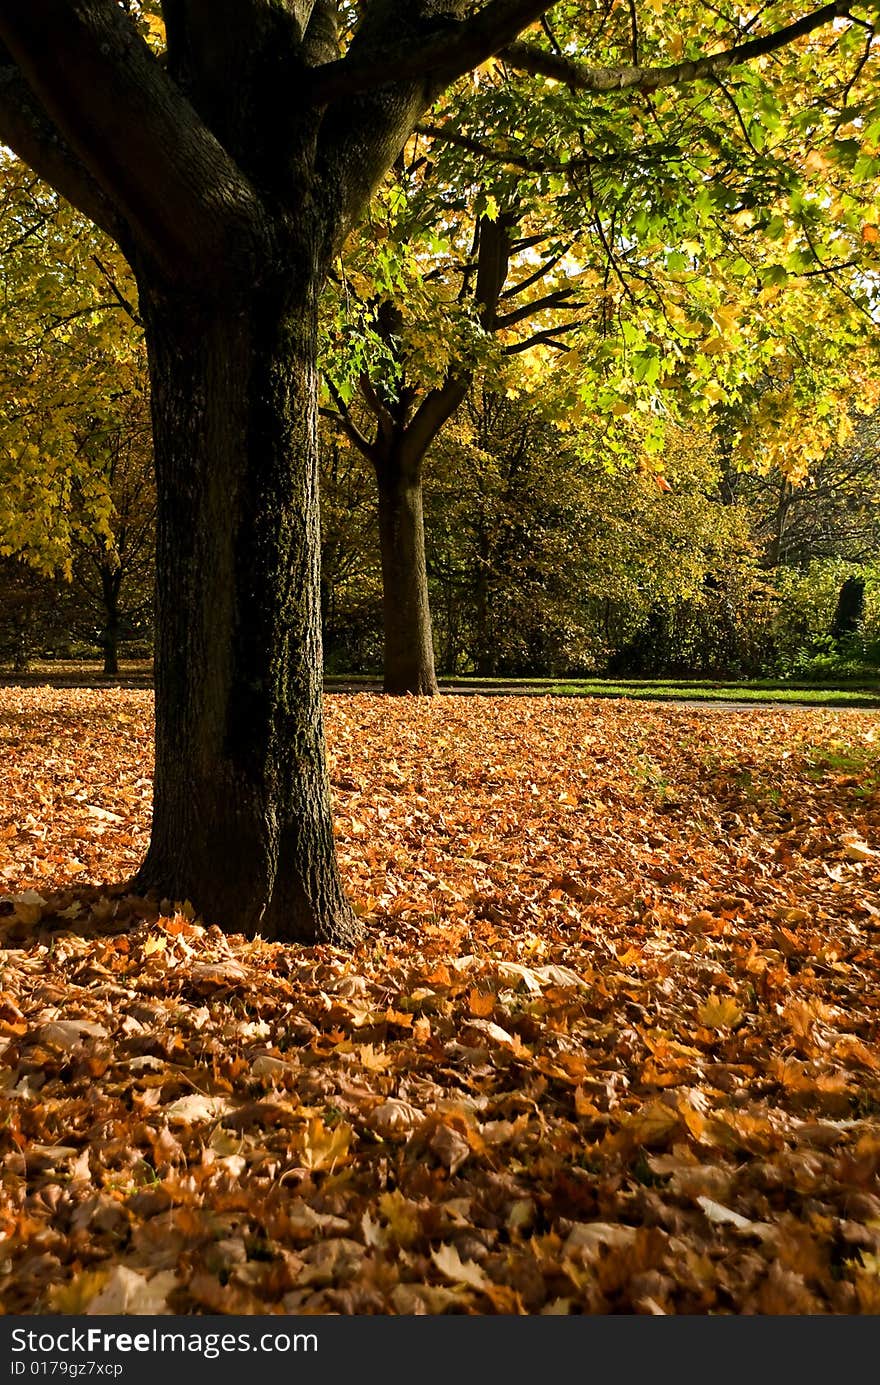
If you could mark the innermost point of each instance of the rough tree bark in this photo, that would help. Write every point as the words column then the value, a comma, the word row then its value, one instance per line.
column 241, row 818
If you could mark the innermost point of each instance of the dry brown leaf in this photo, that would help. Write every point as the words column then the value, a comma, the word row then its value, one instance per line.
column 458, row 1271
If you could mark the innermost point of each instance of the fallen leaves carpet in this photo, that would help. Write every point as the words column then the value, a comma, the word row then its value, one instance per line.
column 609, row 1044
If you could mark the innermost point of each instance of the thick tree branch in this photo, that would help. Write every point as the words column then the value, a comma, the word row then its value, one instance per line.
column 439, row 60
column 493, row 266
column 492, row 250
column 185, row 201
column 584, row 77
column 28, row 131
column 376, row 405
column 436, row 408
column 558, row 299
column 376, row 94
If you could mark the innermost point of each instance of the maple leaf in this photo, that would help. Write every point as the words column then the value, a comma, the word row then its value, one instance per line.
column 130, row 1291
column 395, row 1117
column 186, row 1110
column 450, row 1264
column 402, row 1217
column 653, row 1125
column 323, row 1147
column 719, row 1013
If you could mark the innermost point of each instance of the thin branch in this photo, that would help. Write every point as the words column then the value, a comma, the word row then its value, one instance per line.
column 62, row 319
column 584, row 77
column 737, row 113
column 341, row 416
column 860, row 65
column 544, row 338
column 485, row 151
column 120, row 297
column 829, row 273
column 558, row 299
column 550, row 36
column 536, row 276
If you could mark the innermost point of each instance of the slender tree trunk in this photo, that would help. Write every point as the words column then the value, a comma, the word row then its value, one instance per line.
column 21, row 658
column 111, row 651
column 110, row 633
column 409, row 646
column 241, row 809
column 485, row 663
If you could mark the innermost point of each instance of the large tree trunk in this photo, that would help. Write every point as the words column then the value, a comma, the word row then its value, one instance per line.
column 241, row 809
column 406, row 611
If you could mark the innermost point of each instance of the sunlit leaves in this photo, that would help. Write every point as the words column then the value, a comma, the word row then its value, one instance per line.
column 72, row 373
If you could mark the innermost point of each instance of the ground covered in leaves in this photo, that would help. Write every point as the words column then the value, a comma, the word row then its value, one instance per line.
column 609, row 1045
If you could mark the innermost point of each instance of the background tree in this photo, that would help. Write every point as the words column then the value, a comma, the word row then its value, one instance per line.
column 71, row 372
column 458, row 304
column 28, row 613
column 545, row 561
column 112, row 580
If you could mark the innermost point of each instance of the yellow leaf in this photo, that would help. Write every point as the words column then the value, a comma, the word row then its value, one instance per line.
column 402, row 1217
column 693, row 1119
column 718, row 1013
column 653, row 1125
column 323, row 1147
column 77, row 1293
column 372, row 1059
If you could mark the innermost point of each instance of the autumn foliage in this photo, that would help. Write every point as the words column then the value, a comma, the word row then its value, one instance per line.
column 609, row 1043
